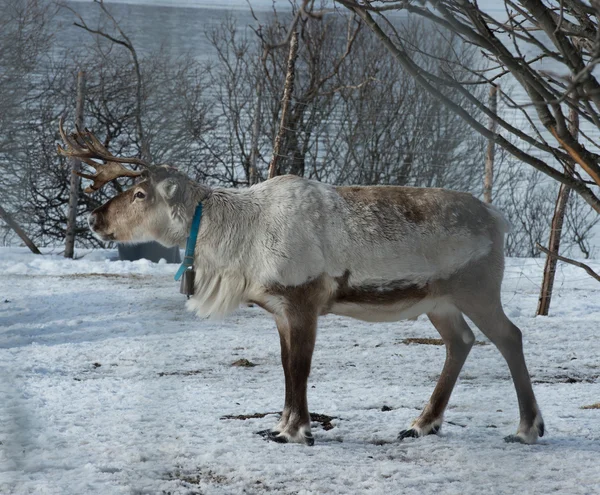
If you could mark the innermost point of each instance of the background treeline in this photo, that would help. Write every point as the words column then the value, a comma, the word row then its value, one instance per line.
column 356, row 117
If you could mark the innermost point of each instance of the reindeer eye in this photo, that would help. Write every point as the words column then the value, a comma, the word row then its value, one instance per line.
column 139, row 195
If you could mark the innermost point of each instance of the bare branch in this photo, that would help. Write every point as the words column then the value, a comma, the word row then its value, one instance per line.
column 587, row 268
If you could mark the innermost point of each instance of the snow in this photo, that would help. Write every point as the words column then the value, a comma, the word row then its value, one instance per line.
column 108, row 386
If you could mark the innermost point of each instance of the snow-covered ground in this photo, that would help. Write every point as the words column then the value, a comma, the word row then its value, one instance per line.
column 108, row 386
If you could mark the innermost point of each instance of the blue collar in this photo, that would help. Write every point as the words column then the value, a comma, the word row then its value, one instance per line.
column 190, row 246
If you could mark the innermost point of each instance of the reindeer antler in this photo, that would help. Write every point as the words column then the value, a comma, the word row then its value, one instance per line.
column 85, row 146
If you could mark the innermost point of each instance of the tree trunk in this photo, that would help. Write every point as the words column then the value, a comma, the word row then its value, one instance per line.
column 555, row 233
column 288, row 89
column 489, row 156
column 18, row 230
column 75, row 179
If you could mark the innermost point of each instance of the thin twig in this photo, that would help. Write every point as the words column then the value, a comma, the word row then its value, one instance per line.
column 587, row 268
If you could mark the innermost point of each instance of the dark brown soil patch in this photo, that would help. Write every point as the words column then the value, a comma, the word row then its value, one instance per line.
column 566, row 379
column 428, row 341
column 243, row 363
column 323, row 419
column 180, row 373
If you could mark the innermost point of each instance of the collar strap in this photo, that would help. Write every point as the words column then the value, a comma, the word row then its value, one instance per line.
column 188, row 260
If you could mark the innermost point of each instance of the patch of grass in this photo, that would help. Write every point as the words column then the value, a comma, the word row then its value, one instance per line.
column 592, row 406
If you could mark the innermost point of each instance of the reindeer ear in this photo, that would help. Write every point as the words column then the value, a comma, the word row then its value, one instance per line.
column 170, row 189
column 173, row 192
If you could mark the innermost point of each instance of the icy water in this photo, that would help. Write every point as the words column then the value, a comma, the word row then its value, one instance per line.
column 177, row 30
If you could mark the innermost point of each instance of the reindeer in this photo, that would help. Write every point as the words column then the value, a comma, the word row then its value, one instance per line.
column 300, row 249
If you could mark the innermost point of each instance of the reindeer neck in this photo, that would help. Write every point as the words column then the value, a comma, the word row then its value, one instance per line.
column 228, row 217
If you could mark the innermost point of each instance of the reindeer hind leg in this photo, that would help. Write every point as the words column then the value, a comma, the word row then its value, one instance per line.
column 458, row 338
column 489, row 316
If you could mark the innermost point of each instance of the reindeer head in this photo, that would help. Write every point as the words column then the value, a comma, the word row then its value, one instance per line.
column 158, row 207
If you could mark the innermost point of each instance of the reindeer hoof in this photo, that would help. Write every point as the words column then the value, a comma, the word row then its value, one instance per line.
column 411, row 433
column 272, row 435
column 514, row 439
column 309, row 439
column 520, row 439
column 529, row 437
column 276, row 436
column 414, row 433
column 435, row 430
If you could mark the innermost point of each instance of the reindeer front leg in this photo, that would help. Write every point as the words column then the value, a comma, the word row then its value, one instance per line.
column 297, row 332
column 285, row 355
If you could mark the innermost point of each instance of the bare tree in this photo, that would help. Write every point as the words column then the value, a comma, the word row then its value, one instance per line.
column 556, row 230
column 175, row 120
column 395, row 133
column 528, row 202
column 233, row 79
column 118, row 37
column 24, row 39
column 288, row 89
column 357, row 116
column 75, row 186
column 570, row 39
column 580, row 222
